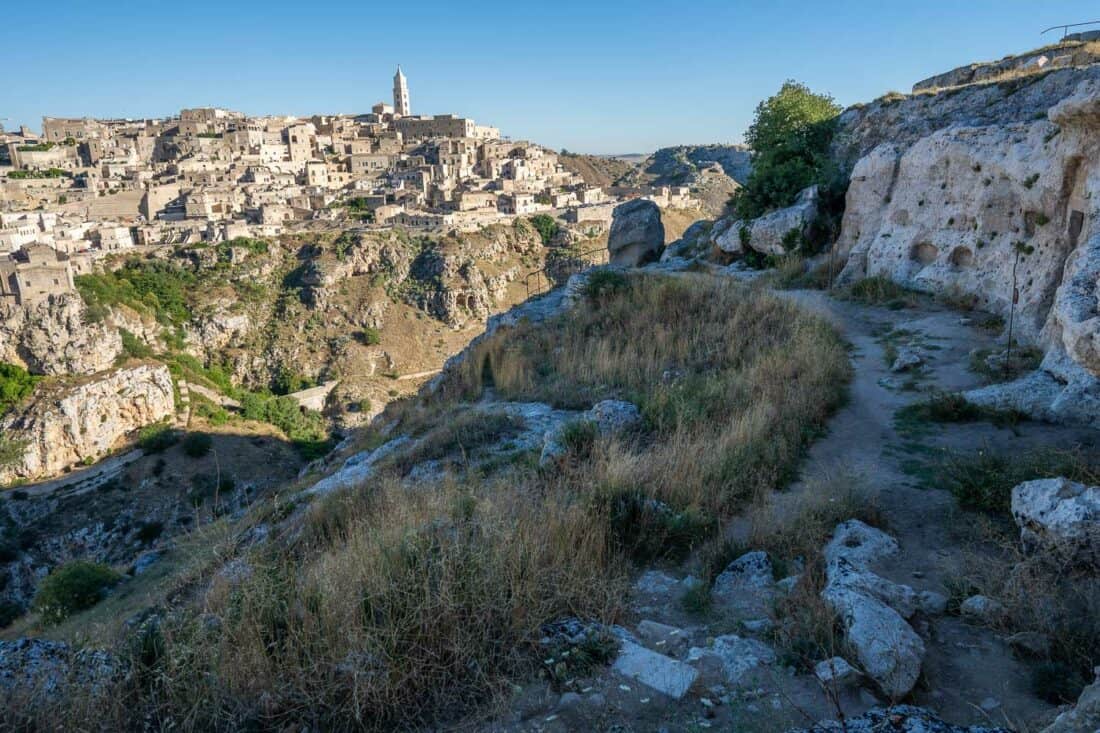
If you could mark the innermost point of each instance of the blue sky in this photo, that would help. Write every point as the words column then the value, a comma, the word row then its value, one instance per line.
column 589, row 76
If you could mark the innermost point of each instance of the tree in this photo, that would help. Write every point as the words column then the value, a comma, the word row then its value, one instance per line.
column 72, row 588
column 789, row 137
column 546, row 226
column 15, row 385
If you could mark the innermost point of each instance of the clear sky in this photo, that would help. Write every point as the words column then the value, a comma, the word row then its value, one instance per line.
column 590, row 76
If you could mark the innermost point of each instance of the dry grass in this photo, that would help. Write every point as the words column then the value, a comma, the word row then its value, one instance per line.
column 1041, row 596
column 395, row 608
column 732, row 383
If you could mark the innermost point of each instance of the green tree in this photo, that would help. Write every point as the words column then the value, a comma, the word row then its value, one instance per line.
column 789, row 137
column 15, row 385
column 546, row 226
column 71, row 588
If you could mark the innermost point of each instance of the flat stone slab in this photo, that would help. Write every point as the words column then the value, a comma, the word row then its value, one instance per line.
column 663, row 674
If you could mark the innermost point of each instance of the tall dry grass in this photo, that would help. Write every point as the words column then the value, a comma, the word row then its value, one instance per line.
column 398, row 607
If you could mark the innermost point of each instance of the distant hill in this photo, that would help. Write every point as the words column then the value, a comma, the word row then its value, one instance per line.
column 599, row 170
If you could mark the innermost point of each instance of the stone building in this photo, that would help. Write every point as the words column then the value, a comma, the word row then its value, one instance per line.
column 34, row 273
column 400, row 94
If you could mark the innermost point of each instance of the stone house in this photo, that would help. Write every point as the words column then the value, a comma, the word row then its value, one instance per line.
column 34, row 273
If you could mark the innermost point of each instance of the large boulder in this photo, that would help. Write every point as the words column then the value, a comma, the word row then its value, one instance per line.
column 1059, row 516
column 637, row 234
column 781, row 231
column 871, row 609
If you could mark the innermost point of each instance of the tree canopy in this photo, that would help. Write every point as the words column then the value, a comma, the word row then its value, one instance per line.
column 789, row 137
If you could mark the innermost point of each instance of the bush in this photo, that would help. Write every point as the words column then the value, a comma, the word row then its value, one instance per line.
column 646, row 529
column 789, row 137
column 604, row 284
column 156, row 438
column 370, row 337
column 954, row 408
column 72, row 588
column 134, row 347
column 16, row 384
column 984, row 480
column 149, row 531
column 197, row 445
column 546, row 226
column 878, row 290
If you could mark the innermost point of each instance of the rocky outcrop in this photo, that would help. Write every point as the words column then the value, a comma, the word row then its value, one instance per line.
column 1003, row 215
column 775, row 233
column 68, row 424
column 37, row 669
column 872, row 610
column 897, row 719
column 637, row 234
column 1060, row 517
column 1066, row 54
column 54, row 336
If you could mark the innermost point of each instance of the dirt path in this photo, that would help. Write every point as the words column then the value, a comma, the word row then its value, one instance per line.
column 971, row 674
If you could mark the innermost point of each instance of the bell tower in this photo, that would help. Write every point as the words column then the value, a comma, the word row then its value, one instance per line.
column 400, row 94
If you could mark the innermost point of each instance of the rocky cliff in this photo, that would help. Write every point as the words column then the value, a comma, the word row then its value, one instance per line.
column 66, row 424
column 55, row 337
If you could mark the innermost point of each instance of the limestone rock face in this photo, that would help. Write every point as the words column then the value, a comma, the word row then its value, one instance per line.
column 1059, row 516
column 1001, row 214
column 66, row 425
column 637, row 234
column 901, row 719
column 54, row 337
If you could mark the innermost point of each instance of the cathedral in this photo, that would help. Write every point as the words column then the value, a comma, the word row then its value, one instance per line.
column 400, row 94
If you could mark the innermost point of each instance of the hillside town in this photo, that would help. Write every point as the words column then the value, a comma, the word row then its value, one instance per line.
column 86, row 187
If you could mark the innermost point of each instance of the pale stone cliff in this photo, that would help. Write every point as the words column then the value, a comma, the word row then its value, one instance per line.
column 990, row 211
column 65, row 425
column 55, row 337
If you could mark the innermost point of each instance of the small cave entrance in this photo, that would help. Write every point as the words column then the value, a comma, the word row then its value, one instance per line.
column 962, row 257
column 1076, row 224
column 488, row 381
column 925, row 253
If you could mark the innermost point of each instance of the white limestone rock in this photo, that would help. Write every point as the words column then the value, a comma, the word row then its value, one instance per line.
column 982, row 609
column 1059, row 516
column 836, row 673
column 746, row 587
column 778, row 232
column 68, row 424
column 734, row 656
column 657, row 671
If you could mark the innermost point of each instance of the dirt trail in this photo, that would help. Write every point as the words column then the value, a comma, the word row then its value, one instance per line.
column 970, row 672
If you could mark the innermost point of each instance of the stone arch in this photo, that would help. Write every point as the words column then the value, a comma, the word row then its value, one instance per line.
column 924, row 252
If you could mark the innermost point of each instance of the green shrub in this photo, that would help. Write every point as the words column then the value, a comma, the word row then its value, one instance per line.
column 72, row 588
column 197, row 445
column 646, row 529
column 546, row 226
column 9, row 611
column 133, row 347
column 789, row 137
column 984, row 480
column 149, row 531
column 578, row 436
column 16, row 384
column 878, row 290
column 370, row 337
column 954, row 408
column 156, row 438
column 604, row 284
column 697, row 599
